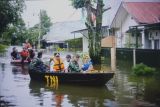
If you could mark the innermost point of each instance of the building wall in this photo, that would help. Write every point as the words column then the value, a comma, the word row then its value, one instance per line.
column 85, row 44
column 122, row 36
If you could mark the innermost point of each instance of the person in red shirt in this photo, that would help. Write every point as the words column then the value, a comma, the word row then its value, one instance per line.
column 24, row 54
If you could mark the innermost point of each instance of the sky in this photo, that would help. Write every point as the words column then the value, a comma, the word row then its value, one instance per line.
column 60, row 10
column 57, row 10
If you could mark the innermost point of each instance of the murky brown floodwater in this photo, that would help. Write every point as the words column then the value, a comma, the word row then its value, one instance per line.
column 16, row 89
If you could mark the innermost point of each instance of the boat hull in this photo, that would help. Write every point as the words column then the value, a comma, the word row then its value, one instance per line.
column 18, row 62
column 99, row 79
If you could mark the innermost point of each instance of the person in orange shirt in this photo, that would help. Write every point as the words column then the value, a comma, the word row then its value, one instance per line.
column 24, row 55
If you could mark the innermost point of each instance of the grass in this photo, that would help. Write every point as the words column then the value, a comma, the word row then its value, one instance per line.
column 2, row 48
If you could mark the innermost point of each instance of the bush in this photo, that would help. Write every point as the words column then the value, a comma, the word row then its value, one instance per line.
column 2, row 48
column 143, row 70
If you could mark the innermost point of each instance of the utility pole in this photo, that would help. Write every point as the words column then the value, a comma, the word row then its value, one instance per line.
column 113, row 54
column 39, row 36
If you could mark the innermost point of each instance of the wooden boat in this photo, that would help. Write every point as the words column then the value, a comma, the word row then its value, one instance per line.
column 18, row 62
column 53, row 79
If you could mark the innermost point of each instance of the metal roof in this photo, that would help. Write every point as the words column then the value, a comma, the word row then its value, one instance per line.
column 144, row 12
column 61, row 31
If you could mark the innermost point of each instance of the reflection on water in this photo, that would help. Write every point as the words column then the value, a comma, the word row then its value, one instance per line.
column 71, row 95
column 16, row 89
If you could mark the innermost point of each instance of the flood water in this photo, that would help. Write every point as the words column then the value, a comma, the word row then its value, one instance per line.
column 124, row 90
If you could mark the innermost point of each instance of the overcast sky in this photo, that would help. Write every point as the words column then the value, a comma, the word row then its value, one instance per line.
column 61, row 10
column 58, row 10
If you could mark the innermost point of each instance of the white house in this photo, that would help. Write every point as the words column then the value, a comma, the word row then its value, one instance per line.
column 142, row 17
column 84, row 33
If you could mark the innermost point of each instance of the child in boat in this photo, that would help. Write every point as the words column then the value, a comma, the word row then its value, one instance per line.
column 87, row 64
column 74, row 65
column 15, row 54
column 37, row 64
column 66, row 63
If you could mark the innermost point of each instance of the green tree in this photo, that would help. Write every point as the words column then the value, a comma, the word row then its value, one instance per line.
column 45, row 22
column 39, row 29
column 94, row 28
column 10, row 12
column 15, row 33
column 33, row 34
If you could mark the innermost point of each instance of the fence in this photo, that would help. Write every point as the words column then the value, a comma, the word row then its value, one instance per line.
column 147, row 56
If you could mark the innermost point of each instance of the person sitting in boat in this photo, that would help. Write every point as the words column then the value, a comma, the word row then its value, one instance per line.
column 58, row 65
column 27, row 45
column 37, row 64
column 66, row 62
column 24, row 55
column 74, row 65
column 87, row 64
column 31, row 53
column 51, row 63
column 15, row 54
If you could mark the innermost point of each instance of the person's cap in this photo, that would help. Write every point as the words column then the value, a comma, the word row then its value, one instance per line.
column 57, row 54
column 68, row 56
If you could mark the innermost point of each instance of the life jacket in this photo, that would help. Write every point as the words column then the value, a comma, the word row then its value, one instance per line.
column 58, row 65
column 24, row 53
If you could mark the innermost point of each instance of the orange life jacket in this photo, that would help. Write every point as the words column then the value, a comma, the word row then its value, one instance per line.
column 58, row 65
column 24, row 53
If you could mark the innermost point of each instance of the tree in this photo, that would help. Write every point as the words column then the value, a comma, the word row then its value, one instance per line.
column 15, row 33
column 10, row 12
column 45, row 22
column 40, row 29
column 94, row 27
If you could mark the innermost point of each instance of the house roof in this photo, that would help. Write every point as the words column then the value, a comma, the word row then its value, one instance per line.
column 144, row 12
column 141, row 12
column 82, row 30
column 61, row 31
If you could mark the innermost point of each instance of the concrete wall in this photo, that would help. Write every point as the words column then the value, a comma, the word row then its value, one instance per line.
column 85, row 44
column 121, row 32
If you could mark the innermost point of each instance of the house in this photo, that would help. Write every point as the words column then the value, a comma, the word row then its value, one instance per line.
column 137, row 24
column 60, row 32
column 84, row 33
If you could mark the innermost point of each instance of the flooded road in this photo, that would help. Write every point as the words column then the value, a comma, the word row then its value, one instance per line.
column 124, row 90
